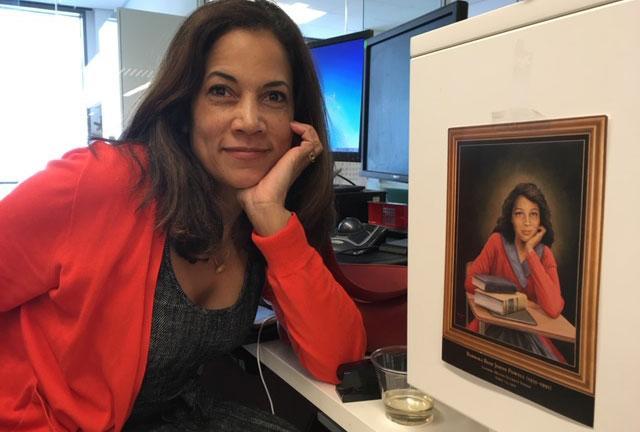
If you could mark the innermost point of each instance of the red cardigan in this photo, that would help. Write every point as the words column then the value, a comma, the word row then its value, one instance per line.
column 78, row 269
column 543, row 284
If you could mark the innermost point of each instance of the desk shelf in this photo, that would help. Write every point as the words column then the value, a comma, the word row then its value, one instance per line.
column 365, row 416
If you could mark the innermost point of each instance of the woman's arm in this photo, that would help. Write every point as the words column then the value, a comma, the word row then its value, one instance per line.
column 34, row 223
column 544, row 276
column 324, row 325
column 546, row 284
column 264, row 202
column 482, row 263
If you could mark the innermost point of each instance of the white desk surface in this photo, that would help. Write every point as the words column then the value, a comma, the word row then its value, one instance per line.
column 365, row 416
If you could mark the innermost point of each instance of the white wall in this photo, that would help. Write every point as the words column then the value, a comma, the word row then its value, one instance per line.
column 577, row 64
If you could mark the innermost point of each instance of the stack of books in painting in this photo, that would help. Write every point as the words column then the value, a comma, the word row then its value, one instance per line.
column 497, row 294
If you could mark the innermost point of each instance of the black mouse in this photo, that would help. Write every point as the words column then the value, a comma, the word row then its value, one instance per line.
column 350, row 225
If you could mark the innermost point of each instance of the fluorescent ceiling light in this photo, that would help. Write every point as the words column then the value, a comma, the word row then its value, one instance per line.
column 301, row 13
column 138, row 89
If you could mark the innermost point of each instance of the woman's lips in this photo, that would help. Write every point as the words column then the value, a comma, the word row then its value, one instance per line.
column 245, row 153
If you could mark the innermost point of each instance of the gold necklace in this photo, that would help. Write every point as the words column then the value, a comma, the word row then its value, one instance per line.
column 219, row 264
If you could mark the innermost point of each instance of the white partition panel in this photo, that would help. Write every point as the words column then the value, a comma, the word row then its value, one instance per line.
column 143, row 39
column 578, row 64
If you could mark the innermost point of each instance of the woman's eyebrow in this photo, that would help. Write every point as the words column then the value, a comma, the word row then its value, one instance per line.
column 229, row 77
column 222, row 75
column 272, row 84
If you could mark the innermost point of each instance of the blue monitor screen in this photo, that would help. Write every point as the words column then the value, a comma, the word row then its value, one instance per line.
column 340, row 67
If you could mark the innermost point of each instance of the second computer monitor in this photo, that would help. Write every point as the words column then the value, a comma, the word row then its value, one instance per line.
column 340, row 65
column 385, row 126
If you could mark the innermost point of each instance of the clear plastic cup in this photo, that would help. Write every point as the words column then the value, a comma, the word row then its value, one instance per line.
column 403, row 403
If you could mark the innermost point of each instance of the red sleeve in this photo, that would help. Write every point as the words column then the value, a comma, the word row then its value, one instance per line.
column 546, row 284
column 482, row 264
column 324, row 325
column 34, row 224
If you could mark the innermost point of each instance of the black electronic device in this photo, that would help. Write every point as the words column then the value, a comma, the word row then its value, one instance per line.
column 385, row 115
column 349, row 225
column 355, row 203
column 395, row 245
column 358, row 382
column 353, row 237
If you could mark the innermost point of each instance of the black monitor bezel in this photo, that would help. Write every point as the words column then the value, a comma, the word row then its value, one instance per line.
column 363, row 35
column 456, row 11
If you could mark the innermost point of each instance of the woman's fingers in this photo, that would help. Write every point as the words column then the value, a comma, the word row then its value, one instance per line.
column 310, row 144
column 537, row 237
column 264, row 202
column 275, row 184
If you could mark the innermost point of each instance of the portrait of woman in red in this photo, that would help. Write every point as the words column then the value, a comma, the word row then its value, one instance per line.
column 519, row 249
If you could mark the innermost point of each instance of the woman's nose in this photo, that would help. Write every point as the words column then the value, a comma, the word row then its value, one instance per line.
column 247, row 117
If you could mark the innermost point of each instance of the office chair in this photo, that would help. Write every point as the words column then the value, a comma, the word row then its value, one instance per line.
column 380, row 292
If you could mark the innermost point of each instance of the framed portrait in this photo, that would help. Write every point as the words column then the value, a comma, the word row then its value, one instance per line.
column 522, row 264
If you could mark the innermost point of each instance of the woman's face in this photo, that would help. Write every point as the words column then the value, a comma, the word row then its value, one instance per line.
column 525, row 218
column 242, row 113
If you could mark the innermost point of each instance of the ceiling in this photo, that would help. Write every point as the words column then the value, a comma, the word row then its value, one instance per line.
column 378, row 15
column 91, row 4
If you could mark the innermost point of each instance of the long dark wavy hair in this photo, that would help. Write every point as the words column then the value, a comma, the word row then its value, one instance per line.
column 184, row 192
column 533, row 193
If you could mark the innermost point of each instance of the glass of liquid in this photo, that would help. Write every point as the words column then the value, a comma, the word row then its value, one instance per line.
column 403, row 403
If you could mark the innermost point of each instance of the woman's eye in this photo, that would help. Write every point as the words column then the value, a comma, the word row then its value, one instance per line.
column 218, row 90
column 276, row 97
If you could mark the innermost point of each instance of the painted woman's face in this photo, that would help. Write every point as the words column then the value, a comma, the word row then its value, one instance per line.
column 525, row 218
column 242, row 113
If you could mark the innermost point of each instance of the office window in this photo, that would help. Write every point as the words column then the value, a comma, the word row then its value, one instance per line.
column 42, row 110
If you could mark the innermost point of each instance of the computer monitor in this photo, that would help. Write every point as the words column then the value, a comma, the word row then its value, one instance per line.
column 340, row 65
column 385, row 124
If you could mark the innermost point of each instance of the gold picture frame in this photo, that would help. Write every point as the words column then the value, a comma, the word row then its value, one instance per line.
column 566, row 156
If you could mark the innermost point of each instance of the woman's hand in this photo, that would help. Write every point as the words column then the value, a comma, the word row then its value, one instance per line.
column 264, row 202
column 535, row 239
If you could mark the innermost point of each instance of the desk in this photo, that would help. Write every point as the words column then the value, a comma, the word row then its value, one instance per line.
column 365, row 416
column 372, row 257
column 554, row 328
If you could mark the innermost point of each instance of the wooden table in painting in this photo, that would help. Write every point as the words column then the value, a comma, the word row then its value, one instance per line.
column 554, row 328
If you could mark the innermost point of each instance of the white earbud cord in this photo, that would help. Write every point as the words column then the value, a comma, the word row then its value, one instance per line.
column 260, row 365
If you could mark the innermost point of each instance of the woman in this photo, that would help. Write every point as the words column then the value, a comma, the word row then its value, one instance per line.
column 124, row 267
column 519, row 249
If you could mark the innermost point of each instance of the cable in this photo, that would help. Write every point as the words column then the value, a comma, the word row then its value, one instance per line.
column 358, row 250
column 266, row 389
column 337, row 174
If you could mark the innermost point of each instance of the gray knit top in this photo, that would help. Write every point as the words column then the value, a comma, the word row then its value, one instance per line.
column 184, row 335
